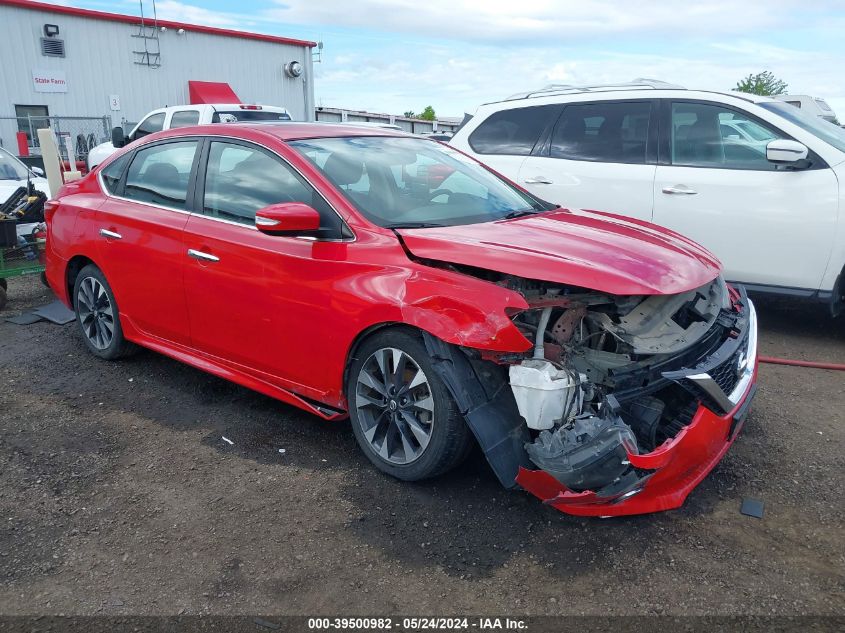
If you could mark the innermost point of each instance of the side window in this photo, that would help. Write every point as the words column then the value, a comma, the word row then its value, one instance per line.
column 153, row 123
column 160, row 174
column 610, row 131
column 710, row 135
column 111, row 173
column 241, row 179
column 514, row 131
column 184, row 118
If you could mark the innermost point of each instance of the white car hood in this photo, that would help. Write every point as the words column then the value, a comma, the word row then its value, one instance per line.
column 8, row 187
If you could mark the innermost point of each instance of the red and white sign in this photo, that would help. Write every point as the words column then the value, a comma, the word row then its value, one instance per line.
column 49, row 81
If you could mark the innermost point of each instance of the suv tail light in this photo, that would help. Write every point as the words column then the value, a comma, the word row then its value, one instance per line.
column 250, row 107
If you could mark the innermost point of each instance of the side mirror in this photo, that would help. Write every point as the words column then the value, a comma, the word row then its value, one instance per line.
column 287, row 217
column 37, row 171
column 118, row 139
column 786, row 152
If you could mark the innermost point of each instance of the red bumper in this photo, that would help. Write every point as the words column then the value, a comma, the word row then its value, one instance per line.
column 677, row 466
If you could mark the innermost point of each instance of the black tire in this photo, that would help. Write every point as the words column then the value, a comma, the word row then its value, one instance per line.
column 449, row 440
column 105, row 312
column 4, row 284
column 43, row 278
column 3, row 295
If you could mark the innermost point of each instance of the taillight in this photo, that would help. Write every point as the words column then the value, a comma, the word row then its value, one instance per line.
column 250, row 107
column 49, row 209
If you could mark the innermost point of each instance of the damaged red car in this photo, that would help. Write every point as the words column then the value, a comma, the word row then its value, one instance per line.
column 601, row 363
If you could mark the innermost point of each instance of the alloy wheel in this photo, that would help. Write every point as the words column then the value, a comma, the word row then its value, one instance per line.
column 96, row 313
column 395, row 405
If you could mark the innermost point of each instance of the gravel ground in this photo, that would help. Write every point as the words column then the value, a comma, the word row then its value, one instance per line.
column 119, row 496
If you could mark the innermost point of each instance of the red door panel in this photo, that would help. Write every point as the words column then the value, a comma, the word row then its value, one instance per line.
column 141, row 252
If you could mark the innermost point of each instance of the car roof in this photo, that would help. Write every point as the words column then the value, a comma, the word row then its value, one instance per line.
column 548, row 98
column 284, row 131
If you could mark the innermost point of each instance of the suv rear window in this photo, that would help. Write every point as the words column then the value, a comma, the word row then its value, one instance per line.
column 612, row 132
column 235, row 116
column 514, row 131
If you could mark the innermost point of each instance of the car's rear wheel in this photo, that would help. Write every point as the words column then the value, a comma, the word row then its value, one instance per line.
column 98, row 316
column 402, row 414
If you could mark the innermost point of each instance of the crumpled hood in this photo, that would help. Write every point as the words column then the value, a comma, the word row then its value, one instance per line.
column 598, row 251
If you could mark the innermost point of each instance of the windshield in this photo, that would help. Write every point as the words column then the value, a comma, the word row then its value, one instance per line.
column 236, row 116
column 11, row 168
column 406, row 182
column 825, row 130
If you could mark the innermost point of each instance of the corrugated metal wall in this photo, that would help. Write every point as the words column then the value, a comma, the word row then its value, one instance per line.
column 99, row 62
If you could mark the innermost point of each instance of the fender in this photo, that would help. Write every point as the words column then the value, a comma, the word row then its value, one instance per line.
column 488, row 406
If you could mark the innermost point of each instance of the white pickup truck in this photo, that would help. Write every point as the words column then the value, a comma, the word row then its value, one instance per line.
column 183, row 116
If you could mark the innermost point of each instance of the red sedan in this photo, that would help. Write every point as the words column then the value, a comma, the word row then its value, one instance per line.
column 601, row 363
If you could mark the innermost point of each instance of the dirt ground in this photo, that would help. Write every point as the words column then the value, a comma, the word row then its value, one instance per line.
column 118, row 495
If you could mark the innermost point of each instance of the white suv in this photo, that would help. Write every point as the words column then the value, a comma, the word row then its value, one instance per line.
column 757, row 181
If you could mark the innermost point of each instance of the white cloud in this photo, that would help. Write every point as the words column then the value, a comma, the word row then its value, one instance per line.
column 454, row 82
column 394, row 55
column 181, row 12
column 505, row 21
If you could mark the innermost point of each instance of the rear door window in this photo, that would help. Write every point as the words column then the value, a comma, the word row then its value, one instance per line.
column 608, row 131
column 184, row 118
column 513, row 131
column 111, row 173
column 161, row 174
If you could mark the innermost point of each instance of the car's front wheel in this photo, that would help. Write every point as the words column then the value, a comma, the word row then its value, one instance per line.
column 98, row 316
column 402, row 414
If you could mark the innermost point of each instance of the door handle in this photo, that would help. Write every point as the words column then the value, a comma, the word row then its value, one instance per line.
column 538, row 180
column 204, row 257
column 681, row 189
column 110, row 234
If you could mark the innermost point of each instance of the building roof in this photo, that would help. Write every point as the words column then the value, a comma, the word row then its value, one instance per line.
column 135, row 20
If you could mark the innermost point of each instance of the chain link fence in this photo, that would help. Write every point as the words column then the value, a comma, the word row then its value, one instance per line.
column 83, row 132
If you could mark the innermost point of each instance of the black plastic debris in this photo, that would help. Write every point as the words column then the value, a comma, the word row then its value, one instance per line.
column 752, row 508
column 55, row 312
column 267, row 624
column 27, row 318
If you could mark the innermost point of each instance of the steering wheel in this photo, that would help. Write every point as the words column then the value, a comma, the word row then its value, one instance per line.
column 438, row 192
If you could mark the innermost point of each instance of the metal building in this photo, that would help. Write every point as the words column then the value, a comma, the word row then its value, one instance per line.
column 60, row 61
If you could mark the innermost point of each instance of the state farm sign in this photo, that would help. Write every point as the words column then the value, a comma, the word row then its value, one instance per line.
column 49, row 81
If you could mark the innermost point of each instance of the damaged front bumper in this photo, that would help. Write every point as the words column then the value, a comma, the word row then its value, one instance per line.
column 724, row 385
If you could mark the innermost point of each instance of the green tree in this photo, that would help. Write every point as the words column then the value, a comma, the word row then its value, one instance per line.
column 428, row 114
column 764, row 83
column 410, row 114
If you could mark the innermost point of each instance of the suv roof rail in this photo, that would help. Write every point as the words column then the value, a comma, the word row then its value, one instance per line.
column 636, row 84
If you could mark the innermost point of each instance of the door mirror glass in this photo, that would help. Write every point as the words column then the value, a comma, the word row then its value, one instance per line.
column 784, row 151
column 37, row 171
column 118, row 138
column 287, row 217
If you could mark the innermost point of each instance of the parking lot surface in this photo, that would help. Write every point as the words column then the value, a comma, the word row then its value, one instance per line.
column 119, row 495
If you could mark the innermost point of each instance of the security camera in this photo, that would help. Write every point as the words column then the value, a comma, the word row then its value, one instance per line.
column 181, row 31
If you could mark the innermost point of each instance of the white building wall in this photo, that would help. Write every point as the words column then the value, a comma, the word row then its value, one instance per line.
column 100, row 62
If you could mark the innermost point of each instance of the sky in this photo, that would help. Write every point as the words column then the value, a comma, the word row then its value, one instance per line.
column 397, row 55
